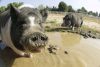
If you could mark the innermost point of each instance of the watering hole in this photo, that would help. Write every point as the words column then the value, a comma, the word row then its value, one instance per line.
column 81, row 53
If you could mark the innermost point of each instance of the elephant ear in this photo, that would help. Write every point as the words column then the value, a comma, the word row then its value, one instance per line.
column 44, row 14
column 14, row 13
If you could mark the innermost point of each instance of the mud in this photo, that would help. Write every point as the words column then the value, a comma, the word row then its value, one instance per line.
column 80, row 52
column 85, row 33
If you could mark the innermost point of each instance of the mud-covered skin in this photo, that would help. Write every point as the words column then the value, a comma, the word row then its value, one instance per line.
column 72, row 20
column 37, row 40
column 22, row 29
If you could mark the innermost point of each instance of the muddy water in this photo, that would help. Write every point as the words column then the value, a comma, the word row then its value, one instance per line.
column 81, row 53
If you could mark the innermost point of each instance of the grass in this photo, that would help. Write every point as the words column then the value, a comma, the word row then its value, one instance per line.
column 57, row 28
column 91, row 19
column 84, row 31
column 53, row 25
column 86, row 28
column 52, row 21
column 58, row 17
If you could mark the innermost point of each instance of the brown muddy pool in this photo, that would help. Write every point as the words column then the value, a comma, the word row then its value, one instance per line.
column 81, row 53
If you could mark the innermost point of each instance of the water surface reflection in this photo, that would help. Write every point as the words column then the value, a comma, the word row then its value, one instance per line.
column 81, row 53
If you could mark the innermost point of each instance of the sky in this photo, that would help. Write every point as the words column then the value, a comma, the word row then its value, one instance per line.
column 90, row 5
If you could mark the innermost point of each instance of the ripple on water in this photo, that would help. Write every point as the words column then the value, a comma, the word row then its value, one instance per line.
column 81, row 53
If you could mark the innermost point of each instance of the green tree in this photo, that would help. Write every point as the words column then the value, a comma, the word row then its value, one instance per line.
column 54, row 9
column 96, row 14
column 79, row 10
column 2, row 8
column 99, row 15
column 15, row 4
column 90, row 13
column 93, row 13
column 62, row 6
column 48, row 8
column 70, row 9
column 83, row 10
column 40, row 7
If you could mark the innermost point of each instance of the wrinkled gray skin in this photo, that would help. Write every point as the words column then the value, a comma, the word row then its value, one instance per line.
column 72, row 20
column 22, row 30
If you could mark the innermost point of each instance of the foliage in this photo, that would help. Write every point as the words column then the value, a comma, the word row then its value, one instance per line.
column 54, row 9
column 2, row 8
column 70, row 9
column 96, row 14
column 99, row 15
column 90, row 12
column 93, row 13
column 62, row 6
column 40, row 7
column 16, row 4
column 82, row 10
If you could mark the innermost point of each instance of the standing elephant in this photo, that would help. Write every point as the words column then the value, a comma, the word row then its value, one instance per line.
column 72, row 20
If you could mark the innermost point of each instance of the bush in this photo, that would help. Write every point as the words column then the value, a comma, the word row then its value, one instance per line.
column 62, row 7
